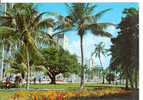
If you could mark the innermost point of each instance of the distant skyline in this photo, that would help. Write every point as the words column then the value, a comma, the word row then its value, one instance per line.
column 113, row 16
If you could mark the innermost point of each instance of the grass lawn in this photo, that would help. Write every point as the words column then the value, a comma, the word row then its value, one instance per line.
column 73, row 86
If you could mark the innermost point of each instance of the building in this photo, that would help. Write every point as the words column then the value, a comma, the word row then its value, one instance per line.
column 92, row 62
column 3, row 8
column 62, row 39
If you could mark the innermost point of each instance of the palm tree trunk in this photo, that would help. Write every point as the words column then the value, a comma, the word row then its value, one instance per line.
column 82, row 62
column 28, row 69
column 2, row 61
column 102, row 69
column 30, row 73
column 136, row 78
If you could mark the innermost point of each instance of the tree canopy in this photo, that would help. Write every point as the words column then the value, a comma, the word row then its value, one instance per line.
column 125, row 48
column 58, row 61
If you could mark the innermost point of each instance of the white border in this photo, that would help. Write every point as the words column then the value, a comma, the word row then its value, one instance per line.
column 141, row 50
column 105, row 1
column 58, row 1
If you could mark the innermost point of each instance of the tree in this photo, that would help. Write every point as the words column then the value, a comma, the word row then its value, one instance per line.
column 100, row 50
column 25, row 25
column 125, row 48
column 82, row 19
column 58, row 61
column 110, row 77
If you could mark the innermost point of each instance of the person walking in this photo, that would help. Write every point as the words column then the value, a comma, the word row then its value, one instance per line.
column 39, row 80
column 7, row 82
column 20, row 83
column 34, row 80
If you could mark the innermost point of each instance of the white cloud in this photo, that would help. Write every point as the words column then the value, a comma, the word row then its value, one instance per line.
column 111, row 29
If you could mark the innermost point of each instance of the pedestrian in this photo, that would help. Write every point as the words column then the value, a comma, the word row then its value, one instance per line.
column 34, row 80
column 7, row 82
column 20, row 83
column 39, row 80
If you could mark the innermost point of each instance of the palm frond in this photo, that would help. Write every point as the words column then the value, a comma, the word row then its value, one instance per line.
column 101, row 13
column 5, row 31
column 46, row 23
column 90, row 9
column 38, row 18
column 99, row 29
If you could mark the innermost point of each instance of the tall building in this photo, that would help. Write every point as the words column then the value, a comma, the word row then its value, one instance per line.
column 92, row 62
column 2, row 9
column 62, row 39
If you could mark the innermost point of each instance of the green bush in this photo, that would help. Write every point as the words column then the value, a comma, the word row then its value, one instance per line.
column 2, row 85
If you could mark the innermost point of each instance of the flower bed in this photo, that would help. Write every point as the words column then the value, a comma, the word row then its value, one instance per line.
column 64, row 95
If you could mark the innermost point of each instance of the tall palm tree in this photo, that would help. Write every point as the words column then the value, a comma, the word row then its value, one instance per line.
column 100, row 50
column 82, row 19
column 26, row 26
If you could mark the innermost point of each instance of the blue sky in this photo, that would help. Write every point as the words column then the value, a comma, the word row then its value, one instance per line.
column 113, row 16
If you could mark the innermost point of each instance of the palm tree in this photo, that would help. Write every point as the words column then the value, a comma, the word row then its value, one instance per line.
column 82, row 19
column 100, row 50
column 26, row 26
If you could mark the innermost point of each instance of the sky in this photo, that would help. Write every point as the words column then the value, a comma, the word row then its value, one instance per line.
column 114, row 16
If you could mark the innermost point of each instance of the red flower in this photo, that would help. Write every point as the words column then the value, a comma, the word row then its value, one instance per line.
column 78, row 95
column 17, row 95
column 44, row 98
column 59, row 97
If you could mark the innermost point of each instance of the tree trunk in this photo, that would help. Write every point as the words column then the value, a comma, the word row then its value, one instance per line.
column 28, row 74
column 102, row 69
column 53, row 80
column 2, row 61
column 126, row 83
column 82, row 62
column 116, row 79
column 109, row 82
column 136, row 78
column 120, row 79
column 103, row 79
column 131, row 81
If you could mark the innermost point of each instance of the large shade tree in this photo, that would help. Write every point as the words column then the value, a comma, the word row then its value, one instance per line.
column 58, row 61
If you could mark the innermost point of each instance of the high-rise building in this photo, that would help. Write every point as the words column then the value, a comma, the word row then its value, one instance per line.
column 92, row 62
column 62, row 39
column 2, row 9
